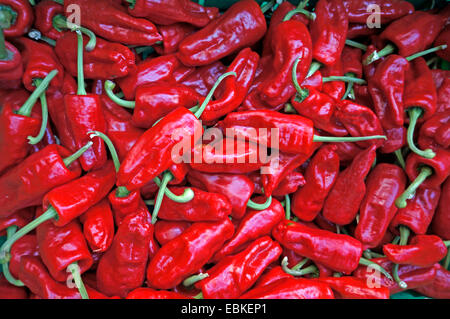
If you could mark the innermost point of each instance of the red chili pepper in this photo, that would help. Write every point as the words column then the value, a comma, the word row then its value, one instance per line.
column 346, row 152
column 204, row 77
column 356, row 30
column 291, row 288
column 45, row 11
column 172, row 35
column 110, row 21
column 19, row 218
column 334, row 89
column 344, row 199
column 443, row 38
column 439, row 288
column 9, row 291
column 383, row 185
column 233, row 275
column 11, row 67
column 194, row 248
column 396, row 139
column 165, row 231
column 254, row 224
column 242, row 25
column 354, row 288
column 329, row 31
column 434, row 133
column 442, row 88
column 320, row 175
column 122, row 268
column 287, row 185
column 441, row 220
column 274, row 274
column 148, row 293
column 389, row 10
column 237, row 188
column 440, row 165
column 19, row 14
column 351, row 61
column 168, row 12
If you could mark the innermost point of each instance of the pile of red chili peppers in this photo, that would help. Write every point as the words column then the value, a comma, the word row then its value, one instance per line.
column 94, row 205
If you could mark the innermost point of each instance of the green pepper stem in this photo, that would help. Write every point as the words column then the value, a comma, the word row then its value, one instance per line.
column 376, row 55
column 6, row 19
column 313, row 68
column 287, row 208
column 337, row 274
column 122, row 192
column 34, row 140
column 425, row 172
column 199, row 296
column 349, row 86
column 400, row 158
column 318, row 138
column 75, row 270
column 397, row 279
column 110, row 145
column 159, row 198
column 59, row 1
column 396, row 240
column 187, row 195
column 300, row 264
column 422, row 53
column 288, row 108
column 294, row 272
column 255, row 206
column 193, row 279
column 308, row 14
column 208, row 98
column 302, row 93
column 3, row 51
column 27, row 107
column 49, row 214
column 268, row 6
column 404, row 235
column 109, row 87
column 368, row 263
column 60, row 22
column 81, row 86
column 344, row 79
column 356, row 44
column 446, row 262
column 150, row 202
column 414, row 114
column 37, row 35
column 72, row 158
column 5, row 267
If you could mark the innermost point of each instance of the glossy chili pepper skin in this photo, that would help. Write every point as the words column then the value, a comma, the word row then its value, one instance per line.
column 107, row 61
column 347, row 152
column 168, row 12
column 98, row 226
column 110, row 21
column 407, row 33
column 165, row 231
column 151, row 154
column 23, row 20
column 443, row 38
column 61, row 246
column 194, row 248
column 11, row 70
column 8, row 291
column 204, row 77
column 354, row 288
column 122, row 268
column 441, row 80
column 441, row 220
column 389, row 10
column 26, row 184
column 25, row 246
column 233, row 275
column 439, row 288
column 19, row 218
column 386, row 88
column 419, row 212
column 172, row 35
column 435, row 132
column 149, row 293
column 203, row 207
column 351, row 61
column 123, row 206
column 287, row 185
column 242, row 25
column 76, row 197
column 440, row 165
column 84, row 114
column 338, row 252
column 272, row 275
column 396, row 139
column 356, row 30
column 320, row 175
column 254, row 224
column 383, row 185
column 291, row 288
column 344, row 199
column 335, row 89
column 154, row 101
column 329, row 31
column 44, row 12
column 237, row 188
column 422, row 251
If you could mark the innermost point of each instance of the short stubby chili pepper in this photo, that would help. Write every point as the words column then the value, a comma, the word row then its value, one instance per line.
column 291, row 288
column 38, row 174
column 172, row 35
column 149, row 293
column 344, row 199
column 233, row 275
column 194, row 248
column 439, row 288
column 168, row 12
column 321, row 174
column 19, row 15
column 236, row 187
column 110, row 21
column 254, row 224
column 98, row 226
column 348, row 287
column 45, row 11
column 106, row 61
column 419, row 212
column 386, row 88
column 434, row 133
column 339, row 252
column 329, row 31
column 383, row 185
column 165, row 231
column 441, row 220
column 422, row 251
column 122, row 268
column 8, row 291
column 390, row 10
column 242, row 25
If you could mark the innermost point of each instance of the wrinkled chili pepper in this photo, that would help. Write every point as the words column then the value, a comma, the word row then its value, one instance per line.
column 165, row 231
column 354, row 288
column 389, row 10
column 439, row 288
column 19, row 16
column 434, row 133
column 172, row 35
column 441, row 220
column 204, row 77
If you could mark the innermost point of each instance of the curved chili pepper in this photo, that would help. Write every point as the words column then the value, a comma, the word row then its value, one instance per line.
column 25, row 246
column 45, row 11
column 434, row 133
column 165, row 231
column 320, row 175
column 242, row 25
column 21, row 14
column 441, row 220
column 148, row 293
column 172, row 35
column 354, row 288
column 194, row 248
column 388, row 10
column 440, row 165
column 384, row 183
column 439, row 288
